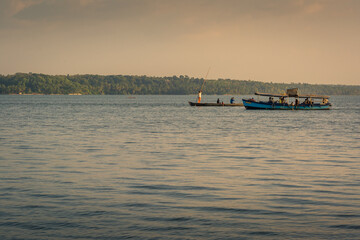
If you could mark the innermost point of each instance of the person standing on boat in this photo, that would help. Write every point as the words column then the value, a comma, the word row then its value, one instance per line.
column 218, row 101
column 199, row 96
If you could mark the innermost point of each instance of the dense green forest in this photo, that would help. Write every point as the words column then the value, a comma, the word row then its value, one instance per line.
column 29, row 83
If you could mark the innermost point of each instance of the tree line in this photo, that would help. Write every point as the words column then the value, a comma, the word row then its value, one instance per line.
column 30, row 83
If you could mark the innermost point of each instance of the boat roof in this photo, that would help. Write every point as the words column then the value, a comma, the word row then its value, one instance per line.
column 313, row 96
column 271, row 95
column 298, row 96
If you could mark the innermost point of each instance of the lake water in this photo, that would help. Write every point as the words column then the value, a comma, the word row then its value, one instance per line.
column 152, row 167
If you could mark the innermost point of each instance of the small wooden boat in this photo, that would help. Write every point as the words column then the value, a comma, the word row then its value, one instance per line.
column 216, row 104
column 282, row 103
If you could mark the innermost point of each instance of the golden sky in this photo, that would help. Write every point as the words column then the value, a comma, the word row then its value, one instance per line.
column 312, row 41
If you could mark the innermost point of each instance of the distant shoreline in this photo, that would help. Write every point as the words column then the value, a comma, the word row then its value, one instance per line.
column 41, row 94
column 42, row 84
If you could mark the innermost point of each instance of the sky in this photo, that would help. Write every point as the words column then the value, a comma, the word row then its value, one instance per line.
column 307, row 41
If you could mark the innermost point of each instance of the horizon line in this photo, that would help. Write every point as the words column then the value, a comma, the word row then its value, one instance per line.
column 185, row 75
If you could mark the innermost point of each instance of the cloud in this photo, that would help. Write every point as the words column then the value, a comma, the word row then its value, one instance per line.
column 86, row 2
column 103, row 10
column 172, row 17
column 159, row 16
column 53, row 10
column 314, row 8
column 311, row 6
column 70, row 10
column 12, row 7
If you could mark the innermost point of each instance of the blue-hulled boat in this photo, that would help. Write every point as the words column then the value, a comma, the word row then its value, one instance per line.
column 283, row 101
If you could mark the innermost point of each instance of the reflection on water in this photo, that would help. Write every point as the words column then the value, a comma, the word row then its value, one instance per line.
column 152, row 167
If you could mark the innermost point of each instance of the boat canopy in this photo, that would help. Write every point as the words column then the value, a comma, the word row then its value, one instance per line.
column 293, row 92
column 313, row 96
column 271, row 95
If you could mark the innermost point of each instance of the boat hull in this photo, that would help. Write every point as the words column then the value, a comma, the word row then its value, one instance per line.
column 215, row 104
column 254, row 105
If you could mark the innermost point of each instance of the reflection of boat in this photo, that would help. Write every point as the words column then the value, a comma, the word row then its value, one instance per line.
column 216, row 104
column 283, row 104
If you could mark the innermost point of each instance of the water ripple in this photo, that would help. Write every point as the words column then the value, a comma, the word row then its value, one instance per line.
column 109, row 167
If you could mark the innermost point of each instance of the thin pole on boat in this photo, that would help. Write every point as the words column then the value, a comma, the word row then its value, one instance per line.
column 205, row 79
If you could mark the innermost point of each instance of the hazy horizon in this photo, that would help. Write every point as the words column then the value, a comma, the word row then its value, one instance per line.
column 279, row 41
column 190, row 77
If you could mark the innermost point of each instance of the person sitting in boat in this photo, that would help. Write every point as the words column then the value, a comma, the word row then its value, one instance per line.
column 252, row 100
column 232, row 100
column 325, row 101
column 296, row 102
column 271, row 100
column 218, row 101
column 306, row 102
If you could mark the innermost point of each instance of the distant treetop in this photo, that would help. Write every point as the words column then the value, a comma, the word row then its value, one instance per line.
column 31, row 83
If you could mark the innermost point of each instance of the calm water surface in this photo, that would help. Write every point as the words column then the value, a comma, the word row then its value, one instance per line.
column 152, row 167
